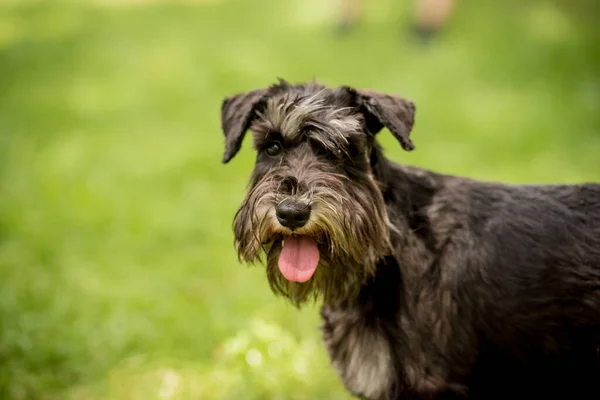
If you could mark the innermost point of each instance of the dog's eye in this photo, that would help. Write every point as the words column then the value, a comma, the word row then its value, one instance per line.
column 273, row 149
column 336, row 152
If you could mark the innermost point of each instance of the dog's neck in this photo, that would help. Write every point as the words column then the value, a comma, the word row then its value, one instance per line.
column 410, row 192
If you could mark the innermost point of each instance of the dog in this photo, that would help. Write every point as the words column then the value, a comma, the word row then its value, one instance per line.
column 433, row 286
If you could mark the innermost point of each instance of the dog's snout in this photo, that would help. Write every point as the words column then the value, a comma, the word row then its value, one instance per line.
column 293, row 214
column 289, row 185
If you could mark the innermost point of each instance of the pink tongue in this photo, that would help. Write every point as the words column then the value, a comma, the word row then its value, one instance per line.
column 298, row 259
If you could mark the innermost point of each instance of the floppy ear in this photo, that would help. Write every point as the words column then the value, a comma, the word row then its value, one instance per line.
column 237, row 113
column 394, row 112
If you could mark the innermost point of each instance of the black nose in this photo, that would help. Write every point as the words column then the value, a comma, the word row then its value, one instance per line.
column 293, row 214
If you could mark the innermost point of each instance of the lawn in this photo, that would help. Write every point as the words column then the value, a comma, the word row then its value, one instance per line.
column 118, row 277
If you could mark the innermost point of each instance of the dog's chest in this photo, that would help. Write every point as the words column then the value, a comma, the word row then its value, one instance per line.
column 359, row 352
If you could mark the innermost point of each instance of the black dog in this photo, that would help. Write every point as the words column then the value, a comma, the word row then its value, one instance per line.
column 434, row 286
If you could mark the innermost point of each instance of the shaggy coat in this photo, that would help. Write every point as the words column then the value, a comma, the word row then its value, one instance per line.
column 433, row 286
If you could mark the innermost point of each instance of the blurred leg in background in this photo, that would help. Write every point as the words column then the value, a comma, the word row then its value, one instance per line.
column 430, row 15
column 350, row 11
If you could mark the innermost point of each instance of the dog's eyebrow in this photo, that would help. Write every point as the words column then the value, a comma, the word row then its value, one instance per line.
column 263, row 137
column 327, row 140
column 329, row 133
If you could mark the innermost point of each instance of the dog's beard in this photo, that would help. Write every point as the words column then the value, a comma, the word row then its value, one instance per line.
column 351, row 231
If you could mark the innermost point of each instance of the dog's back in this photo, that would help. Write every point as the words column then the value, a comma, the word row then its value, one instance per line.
column 521, row 264
column 538, row 242
column 531, row 280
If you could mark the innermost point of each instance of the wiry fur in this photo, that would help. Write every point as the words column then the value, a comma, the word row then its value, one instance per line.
column 434, row 286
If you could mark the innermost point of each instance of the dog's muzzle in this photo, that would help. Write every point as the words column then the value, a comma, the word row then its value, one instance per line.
column 299, row 255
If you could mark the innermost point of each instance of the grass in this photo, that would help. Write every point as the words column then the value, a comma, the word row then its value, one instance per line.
column 118, row 278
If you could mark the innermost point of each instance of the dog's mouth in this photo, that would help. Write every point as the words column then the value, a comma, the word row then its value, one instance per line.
column 299, row 258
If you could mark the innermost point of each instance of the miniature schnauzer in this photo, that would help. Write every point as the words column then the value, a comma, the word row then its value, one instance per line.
column 433, row 286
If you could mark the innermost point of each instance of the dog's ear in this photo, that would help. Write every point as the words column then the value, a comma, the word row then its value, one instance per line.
column 394, row 112
column 237, row 113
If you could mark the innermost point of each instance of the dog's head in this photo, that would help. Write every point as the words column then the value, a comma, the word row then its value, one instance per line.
column 314, row 206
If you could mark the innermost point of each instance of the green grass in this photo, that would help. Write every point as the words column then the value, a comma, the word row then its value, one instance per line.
column 118, row 278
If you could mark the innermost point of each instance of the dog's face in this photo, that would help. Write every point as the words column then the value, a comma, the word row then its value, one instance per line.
column 313, row 206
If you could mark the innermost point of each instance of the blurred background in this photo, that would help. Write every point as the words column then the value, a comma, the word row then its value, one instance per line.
column 118, row 276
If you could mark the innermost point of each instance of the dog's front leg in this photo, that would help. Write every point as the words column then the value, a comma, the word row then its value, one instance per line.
column 437, row 353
